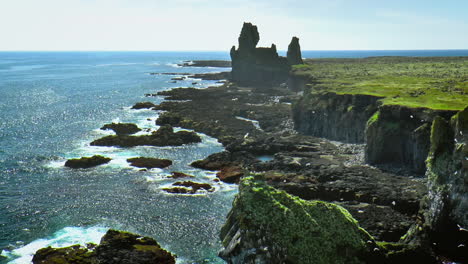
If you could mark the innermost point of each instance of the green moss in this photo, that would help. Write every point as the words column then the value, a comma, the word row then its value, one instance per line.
column 436, row 83
column 309, row 231
column 373, row 118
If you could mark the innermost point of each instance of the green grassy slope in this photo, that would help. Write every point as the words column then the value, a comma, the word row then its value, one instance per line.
column 431, row 82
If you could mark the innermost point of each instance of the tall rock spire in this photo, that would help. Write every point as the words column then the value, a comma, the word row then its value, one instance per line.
column 294, row 52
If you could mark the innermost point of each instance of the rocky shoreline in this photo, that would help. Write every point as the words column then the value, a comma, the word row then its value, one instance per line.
column 304, row 199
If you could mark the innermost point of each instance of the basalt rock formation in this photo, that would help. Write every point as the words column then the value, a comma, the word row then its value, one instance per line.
column 260, row 66
column 294, row 52
column 444, row 211
column 116, row 247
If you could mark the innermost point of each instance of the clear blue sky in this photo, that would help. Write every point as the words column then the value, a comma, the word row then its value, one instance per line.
column 215, row 24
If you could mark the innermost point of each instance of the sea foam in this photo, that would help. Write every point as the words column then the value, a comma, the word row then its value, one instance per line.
column 63, row 238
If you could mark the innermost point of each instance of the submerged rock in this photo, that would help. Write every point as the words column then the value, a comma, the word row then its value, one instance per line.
column 266, row 225
column 177, row 175
column 143, row 105
column 149, row 163
column 86, row 162
column 188, row 187
column 122, row 128
column 116, row 247
column 164, row 136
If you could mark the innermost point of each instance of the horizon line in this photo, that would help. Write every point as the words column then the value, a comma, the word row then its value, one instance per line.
column 227, row 51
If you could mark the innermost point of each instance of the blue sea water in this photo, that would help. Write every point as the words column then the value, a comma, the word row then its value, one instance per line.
column 52, row 105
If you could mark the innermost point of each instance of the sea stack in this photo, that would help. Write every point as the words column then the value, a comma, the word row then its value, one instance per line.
column 294, row 52
column 257, row 66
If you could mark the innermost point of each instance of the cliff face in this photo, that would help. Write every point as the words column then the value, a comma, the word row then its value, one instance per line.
column 395, row 136
column 445, row 217
column 333, row 116
column 260, row 66
column 400, row 136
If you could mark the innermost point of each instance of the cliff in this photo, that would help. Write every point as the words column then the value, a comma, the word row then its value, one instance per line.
column 444, row 211
column 261, row 66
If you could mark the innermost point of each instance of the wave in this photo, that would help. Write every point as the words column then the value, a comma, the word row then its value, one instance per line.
column 65, row 237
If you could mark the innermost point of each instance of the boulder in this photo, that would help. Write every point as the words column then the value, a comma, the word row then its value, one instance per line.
column 230, row 174
column 122, row 128
column 143, row 105
column 294, row 52
column 116, row 247
column 149, row 163
column 86, row 162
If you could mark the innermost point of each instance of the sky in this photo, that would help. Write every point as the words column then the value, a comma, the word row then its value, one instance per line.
column 171, row 25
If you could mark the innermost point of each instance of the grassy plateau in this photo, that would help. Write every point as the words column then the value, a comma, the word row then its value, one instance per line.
column 430, row 82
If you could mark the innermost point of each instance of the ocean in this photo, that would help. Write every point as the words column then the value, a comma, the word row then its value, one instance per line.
column 52, row 105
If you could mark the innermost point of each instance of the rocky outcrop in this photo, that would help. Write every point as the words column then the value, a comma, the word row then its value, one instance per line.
column 86, row 162
column 399, row 136
column 444, row 213
column 257, row 66
column 188, row 187
column 333, row 116
column 269, row 226
column 164, row 136
column 206, row 63
column 116, row 247
column 149, row 163
column 122, row 128
column 143, row 105
column 294, row 54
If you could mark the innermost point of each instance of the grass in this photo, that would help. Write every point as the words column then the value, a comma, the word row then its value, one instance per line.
column 430, row 82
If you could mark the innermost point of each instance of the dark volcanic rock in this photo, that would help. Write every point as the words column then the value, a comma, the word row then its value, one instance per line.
column 143, row 105
column 121, row 247
column 206, row 63
column 188, row 187
column 149, row 163
column 116, row 247
column 164, row 136
column 178, row 175
column 86, row 162
column 261, row 66
column 294, row 54
column 212, row 76
column 122, row 128
column 444, row 212
column 231, row 174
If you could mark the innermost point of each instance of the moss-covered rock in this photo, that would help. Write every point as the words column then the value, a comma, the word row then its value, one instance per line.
column 116, row 247
column 266, row 225
column 86, row 162
column 444, row 213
